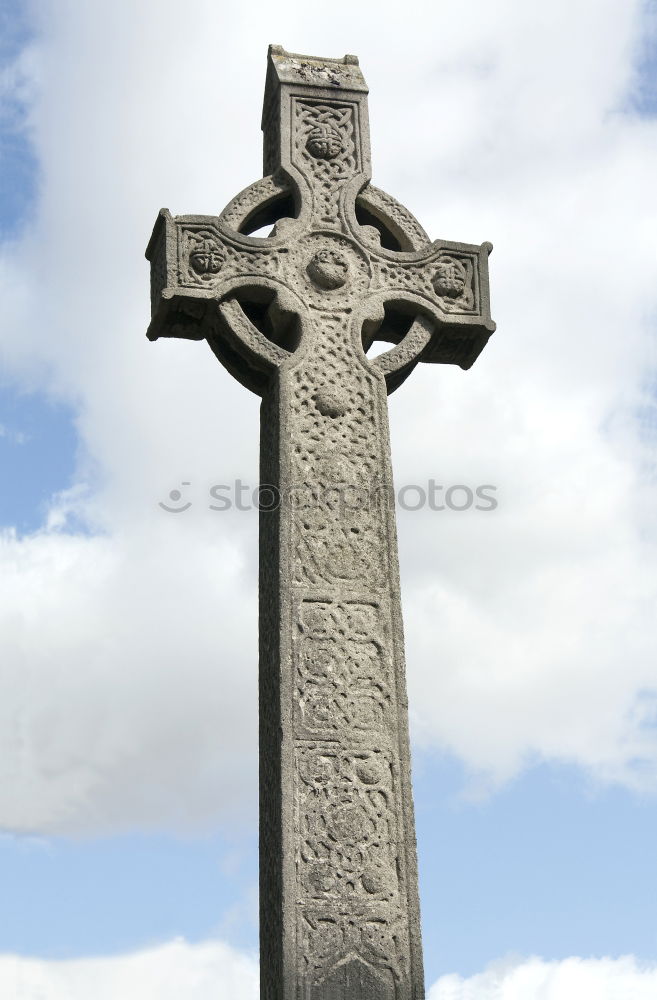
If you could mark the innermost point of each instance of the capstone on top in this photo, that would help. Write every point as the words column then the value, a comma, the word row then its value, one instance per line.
column 309, row 71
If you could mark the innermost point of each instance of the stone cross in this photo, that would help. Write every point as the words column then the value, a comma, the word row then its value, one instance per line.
column 291, row 316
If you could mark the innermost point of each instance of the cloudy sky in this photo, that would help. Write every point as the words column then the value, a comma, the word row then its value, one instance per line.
column 128, row 851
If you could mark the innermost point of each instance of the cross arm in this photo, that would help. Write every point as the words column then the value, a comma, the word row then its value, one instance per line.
column 447, row 284
column 200, row 268
column 442, row 286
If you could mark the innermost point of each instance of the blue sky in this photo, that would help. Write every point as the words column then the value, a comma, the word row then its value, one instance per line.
column 545, row 867
column 38, row 450
column 128, row 642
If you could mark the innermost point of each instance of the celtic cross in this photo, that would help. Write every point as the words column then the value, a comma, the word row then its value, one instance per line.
column 292, row 316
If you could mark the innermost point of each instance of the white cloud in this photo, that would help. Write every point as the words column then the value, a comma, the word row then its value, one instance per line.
column 129, row 658
column 568, row 979
column 213, row 969
column 129, row 696
column 166, row 972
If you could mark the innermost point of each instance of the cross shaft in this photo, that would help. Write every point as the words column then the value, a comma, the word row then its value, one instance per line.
column 290, row 316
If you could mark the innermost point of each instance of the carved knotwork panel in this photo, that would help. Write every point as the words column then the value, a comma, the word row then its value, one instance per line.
column 207, row 259
column 348, row 832
column 325, row 147
column 339, row 500
column 449, row 280
column 342, row 672
column 365, row 953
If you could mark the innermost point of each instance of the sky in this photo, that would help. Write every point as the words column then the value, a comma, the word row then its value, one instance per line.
column 128, row 647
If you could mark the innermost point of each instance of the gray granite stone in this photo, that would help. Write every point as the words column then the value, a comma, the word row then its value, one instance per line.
column 291, row 316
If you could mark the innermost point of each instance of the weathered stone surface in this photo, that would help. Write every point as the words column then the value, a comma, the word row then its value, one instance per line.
column 290, row 316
